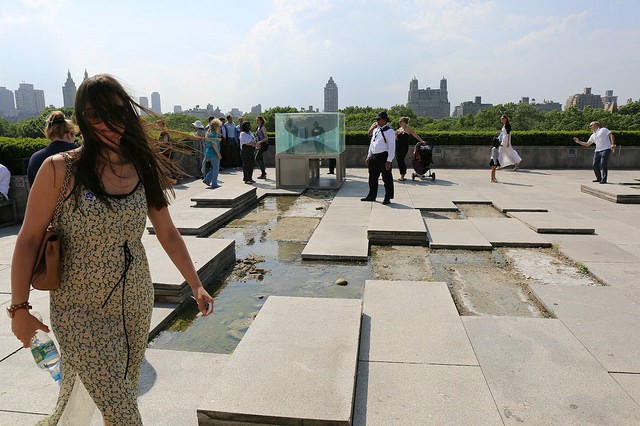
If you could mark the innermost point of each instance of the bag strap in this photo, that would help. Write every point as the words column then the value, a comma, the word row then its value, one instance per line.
column 382, row 130
column 63, row 191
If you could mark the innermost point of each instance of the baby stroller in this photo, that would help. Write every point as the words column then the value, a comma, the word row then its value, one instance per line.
column 423, row 158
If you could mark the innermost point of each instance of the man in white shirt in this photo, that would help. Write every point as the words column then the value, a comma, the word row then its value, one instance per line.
column 605, row 145
column 5, row 180
column 382, row 149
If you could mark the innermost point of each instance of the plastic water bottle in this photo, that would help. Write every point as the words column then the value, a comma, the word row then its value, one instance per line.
column 45, row 353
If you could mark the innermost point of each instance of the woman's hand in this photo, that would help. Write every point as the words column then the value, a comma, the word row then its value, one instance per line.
column 24, row 326
column 204, row 300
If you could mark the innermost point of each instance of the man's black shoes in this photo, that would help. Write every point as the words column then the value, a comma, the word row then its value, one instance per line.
column 386, row 201
column 367, row 199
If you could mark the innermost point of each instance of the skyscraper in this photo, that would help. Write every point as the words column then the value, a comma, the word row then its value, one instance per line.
column 331, row 96
column 29, row 101
column 143, row 101
column 7, row 103
column 155, row 103
column 69, row 91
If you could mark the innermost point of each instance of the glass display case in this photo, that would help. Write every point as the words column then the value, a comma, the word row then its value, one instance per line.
column 303, row 142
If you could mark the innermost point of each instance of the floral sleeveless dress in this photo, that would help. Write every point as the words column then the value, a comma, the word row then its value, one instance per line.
column 102, row 311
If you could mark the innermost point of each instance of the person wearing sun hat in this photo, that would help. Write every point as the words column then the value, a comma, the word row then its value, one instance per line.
column 382, row 149
column 198, row 143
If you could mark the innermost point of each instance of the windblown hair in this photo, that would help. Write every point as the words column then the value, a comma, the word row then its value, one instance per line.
column 405, row 119
column 119, row 112
column 56, row 126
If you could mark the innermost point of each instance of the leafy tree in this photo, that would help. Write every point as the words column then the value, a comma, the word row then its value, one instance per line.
column 630, row 108
column 270, row 116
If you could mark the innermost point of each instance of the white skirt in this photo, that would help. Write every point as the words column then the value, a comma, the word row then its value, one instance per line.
column 508, row 156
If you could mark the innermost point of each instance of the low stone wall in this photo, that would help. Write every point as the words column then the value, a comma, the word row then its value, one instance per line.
column 533, row 157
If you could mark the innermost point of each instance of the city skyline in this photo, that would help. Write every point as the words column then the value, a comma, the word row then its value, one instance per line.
column 284, row 52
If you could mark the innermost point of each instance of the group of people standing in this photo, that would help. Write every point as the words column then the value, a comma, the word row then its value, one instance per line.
column 225, row 144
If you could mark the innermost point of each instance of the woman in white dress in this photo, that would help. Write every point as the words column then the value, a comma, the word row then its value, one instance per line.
column 508, row 155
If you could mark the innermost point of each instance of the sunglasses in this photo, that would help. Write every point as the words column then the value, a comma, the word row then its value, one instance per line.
column 111, row 114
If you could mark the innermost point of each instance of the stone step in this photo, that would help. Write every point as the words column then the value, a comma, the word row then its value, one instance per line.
column 226, row 196
column 209, row 256
column 551, row 223
column 622, row 194
column 396, row 224
column 508, row 232
column 295, row 365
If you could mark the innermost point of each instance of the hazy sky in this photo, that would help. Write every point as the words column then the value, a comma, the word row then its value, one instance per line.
column 282, row 53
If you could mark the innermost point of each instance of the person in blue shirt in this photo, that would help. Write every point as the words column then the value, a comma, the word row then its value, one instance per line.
column 61, row 132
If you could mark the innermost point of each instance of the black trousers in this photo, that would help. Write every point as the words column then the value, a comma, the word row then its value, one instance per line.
column 248, row 160
column 401, row 153
column 260, row 160
column 376, row 168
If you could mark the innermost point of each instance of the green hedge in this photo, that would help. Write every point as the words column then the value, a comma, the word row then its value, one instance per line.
column 528, row 138
column 15, row 152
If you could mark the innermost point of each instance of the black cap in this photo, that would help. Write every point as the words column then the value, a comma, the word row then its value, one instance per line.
column 382, row 114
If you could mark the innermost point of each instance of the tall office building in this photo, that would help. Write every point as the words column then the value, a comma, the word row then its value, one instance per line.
column 144, row 101
column 429, row 102
column 69, row 91
column 331, row 96
column 155, row 103
column 7, row 103
column 29, row 101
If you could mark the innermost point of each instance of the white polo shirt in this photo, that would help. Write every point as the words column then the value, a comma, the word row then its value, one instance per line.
column 381, row 144
column 601, row 138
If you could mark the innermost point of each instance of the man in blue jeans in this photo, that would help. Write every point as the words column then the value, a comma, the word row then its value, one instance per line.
column 605, row 145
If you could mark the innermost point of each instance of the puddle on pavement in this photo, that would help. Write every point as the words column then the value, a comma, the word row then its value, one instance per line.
column 271, row 237
column 265, row 266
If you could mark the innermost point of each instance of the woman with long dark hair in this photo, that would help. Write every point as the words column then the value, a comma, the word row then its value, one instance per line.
column 262, row 144
column 101, row 313
column 508, row 156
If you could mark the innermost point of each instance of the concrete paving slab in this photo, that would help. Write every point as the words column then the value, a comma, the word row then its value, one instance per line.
column 508, row 232
column 591, row 248
column 5, row 279
column 623, row 194
column 420, row 394
column 432, row 202
column 630, row 383
column 291, row 366
column 209, row 256
column 192, row 221
column 539, row 373
column 226, row 196
column 622, row 276
column 170, row 382
column 396, row 224
column 617, row 232
column 551, row 223
column 166, row 395
column 605, row 321
column 412, row 322
column 357, row 214
column 455, row 234
column 338, row 242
